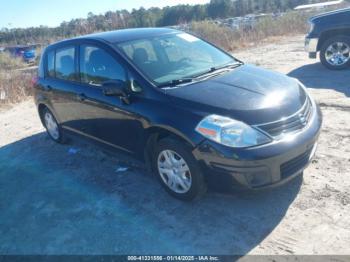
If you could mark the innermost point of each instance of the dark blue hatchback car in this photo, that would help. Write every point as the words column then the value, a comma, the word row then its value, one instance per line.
column 196, row 115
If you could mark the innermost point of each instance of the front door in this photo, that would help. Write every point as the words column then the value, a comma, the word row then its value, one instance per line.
column 106, row 119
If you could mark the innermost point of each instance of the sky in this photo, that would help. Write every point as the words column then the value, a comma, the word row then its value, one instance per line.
column 28, row 13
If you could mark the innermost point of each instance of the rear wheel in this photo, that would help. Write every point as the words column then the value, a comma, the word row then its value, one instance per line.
column 53, row 129
column 335, row 53
column 177, row 170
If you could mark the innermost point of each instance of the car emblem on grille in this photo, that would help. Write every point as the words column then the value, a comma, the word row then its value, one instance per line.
column 302, row 119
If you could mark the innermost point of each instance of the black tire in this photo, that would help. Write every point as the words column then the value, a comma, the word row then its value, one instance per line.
column 328, row 43
column 61, row 139
column 198, row 186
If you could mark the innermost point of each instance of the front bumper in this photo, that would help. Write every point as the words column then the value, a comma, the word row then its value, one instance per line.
column 262, row 166
column 311, row 46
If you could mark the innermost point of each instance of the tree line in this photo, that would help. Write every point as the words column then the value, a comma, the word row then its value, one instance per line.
column 152, row 17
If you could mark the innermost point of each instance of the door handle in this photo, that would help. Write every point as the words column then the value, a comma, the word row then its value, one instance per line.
column 81, row 97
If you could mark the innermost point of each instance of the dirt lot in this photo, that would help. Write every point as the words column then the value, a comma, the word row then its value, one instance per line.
column 58, row 199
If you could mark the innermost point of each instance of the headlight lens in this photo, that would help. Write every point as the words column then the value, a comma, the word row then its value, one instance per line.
column 230, row 132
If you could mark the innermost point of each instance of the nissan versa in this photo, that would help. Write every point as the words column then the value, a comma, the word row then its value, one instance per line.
column 196, row 115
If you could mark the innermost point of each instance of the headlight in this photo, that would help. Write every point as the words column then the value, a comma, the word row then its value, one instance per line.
column 230, row 132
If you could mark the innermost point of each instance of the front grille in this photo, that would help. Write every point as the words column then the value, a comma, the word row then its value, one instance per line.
column 296, row 164
column 291, row 124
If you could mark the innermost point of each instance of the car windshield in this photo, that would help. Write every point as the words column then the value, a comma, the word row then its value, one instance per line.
column 174, row 58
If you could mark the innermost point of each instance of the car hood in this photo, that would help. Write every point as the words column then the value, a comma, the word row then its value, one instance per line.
column 246, row 93
column 340, row 15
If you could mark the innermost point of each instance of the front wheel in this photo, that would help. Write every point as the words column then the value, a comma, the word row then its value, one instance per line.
column 178, row 170
column 335, row 53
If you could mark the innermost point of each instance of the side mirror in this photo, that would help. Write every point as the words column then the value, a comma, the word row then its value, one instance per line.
column 114, row 88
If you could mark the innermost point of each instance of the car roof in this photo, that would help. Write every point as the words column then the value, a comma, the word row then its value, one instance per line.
column 123, row 35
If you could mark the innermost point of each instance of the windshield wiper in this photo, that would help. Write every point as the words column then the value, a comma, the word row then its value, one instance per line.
column 218, row 68
column 229, row 65
column 176, row 82
column 192, row 78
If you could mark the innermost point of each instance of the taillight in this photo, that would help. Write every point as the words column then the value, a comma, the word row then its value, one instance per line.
column 34, row 81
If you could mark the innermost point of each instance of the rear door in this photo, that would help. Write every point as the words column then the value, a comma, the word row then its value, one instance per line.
column 62, row 84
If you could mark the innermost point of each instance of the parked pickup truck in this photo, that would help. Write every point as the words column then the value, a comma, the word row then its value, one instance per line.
column 330, row 35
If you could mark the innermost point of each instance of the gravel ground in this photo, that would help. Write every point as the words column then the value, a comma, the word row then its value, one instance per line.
column 69, row 199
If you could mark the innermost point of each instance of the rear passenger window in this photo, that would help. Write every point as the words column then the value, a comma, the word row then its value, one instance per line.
column 64, row 64
column 51, row 63
column 97, row 66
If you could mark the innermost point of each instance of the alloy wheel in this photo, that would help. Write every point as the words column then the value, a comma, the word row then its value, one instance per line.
column 338, row 54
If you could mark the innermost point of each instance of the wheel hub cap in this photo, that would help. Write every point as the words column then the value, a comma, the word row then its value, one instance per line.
column 51, row 125
column 338, row 54
column 174, row 171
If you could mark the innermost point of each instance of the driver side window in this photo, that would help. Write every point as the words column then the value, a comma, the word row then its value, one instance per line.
column 97, row 66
